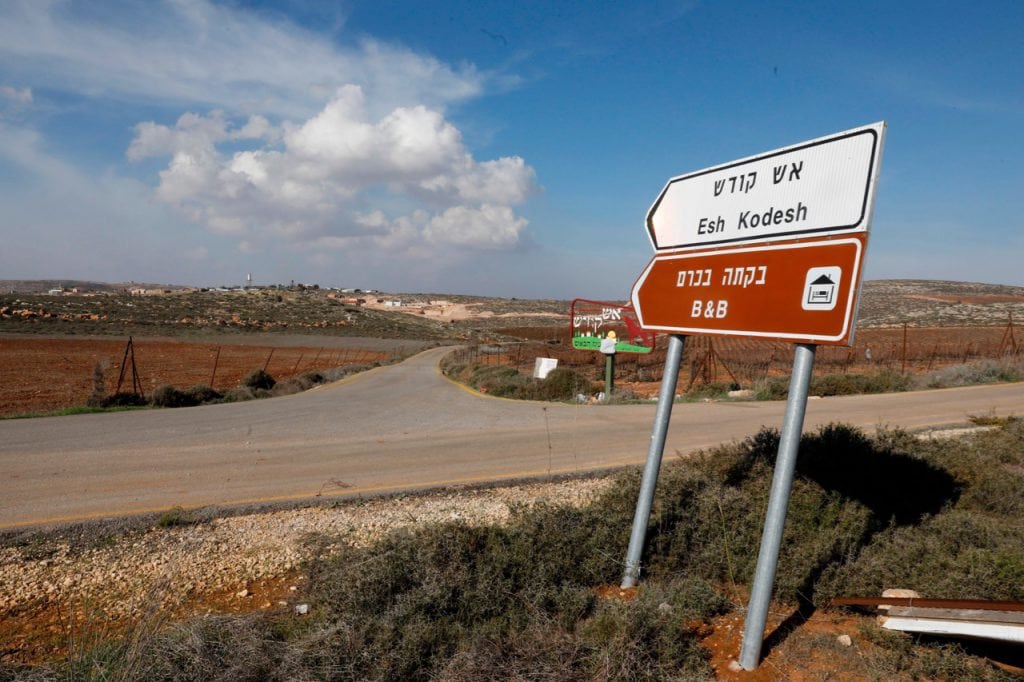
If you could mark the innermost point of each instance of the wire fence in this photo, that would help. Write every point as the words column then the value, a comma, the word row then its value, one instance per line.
column 46, row 374
column 224, row 366
column 745, row 361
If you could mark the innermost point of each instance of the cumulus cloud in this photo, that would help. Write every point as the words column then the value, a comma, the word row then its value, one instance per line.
column 341, row 179
column 193, row 133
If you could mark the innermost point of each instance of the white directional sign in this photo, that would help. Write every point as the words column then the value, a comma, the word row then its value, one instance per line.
column 822, row 187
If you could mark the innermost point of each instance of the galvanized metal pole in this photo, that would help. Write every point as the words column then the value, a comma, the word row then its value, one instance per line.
column 666, row 397
column 609, row 375
column 778, row 504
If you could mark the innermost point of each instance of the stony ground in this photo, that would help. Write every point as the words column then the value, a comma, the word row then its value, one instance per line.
column 227, row 564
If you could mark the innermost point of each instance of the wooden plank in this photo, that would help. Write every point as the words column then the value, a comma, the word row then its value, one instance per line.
column 930, row 603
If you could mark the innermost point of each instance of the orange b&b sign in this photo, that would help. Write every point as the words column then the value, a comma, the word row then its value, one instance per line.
column 799, row 291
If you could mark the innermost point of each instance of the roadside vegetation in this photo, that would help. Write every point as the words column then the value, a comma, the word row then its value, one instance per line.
column 507, row 382
column 569, row 383
column 890, row 381
column 528, row 599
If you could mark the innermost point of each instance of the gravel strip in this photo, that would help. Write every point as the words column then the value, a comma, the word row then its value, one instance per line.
column 182, row 562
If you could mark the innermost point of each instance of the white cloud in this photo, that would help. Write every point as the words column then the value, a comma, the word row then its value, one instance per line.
column 193, row 134
column 18, row 95
column 194, row 52
column 312, row 188
column 484, row 227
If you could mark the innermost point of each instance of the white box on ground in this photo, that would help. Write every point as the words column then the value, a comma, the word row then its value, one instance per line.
column 543, row 366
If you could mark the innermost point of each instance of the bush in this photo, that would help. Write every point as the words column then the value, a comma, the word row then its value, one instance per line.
column 507, row 382
column 258, row 379
column 238, row 395
column 719, row 389
column 174, row 517
column 204, row 394
column 564, row 384
column 453, row 601
column 169, row 396
column 297, row 384
column 886, row 381
column 124, row 399
column 984, row 372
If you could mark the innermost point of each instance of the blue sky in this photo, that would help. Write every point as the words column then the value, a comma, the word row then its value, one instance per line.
column 501, row 148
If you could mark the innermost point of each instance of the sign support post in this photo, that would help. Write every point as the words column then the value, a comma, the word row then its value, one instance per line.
column 778, row 503
column 666, row 398
column 609, row 374
column 608, row 345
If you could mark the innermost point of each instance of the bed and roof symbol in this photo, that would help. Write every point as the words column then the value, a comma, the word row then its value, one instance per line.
column 821, row 291
column 821, row 288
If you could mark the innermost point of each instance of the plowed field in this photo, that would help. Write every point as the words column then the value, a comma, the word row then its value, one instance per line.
column 42, row 374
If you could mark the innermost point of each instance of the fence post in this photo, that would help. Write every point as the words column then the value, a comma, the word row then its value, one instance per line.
column 903, row 364
column 213, row 374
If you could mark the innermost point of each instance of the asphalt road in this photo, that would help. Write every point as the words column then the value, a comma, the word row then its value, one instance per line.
column 393, row 428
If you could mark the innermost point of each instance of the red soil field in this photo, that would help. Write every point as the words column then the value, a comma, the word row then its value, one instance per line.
column 42, row 374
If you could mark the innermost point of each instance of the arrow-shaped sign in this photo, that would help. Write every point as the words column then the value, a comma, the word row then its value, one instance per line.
column 803, row 291
column 822, row 187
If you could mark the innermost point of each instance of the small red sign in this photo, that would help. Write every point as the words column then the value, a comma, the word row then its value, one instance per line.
column 802, row 291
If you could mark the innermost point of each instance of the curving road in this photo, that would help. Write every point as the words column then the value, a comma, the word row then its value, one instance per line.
column 393, row 428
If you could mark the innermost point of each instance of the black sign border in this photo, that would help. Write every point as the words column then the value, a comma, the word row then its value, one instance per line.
column 834, row 229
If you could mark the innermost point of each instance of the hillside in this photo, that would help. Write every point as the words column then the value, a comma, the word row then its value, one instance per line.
column 936, row 303
column 107, row 309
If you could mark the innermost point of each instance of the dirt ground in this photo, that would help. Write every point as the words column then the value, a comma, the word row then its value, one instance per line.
column 44, row 374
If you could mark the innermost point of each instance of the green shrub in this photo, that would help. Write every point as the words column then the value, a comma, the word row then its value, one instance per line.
column 258, row 379
column 238, row 395
column 507, row 382
column 297, row 384
column 467, row 600
column 886, row 381
column 563, row 383
column 204, row 394
column 124, row 399
column 718, row 389
column 174, row 517
column 169, row 396
column 503, row 382
column 983, row 372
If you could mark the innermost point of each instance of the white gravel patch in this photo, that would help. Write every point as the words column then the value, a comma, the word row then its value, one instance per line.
column 181, row 562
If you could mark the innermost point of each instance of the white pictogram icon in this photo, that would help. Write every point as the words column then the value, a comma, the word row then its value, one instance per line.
column 821, row 288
